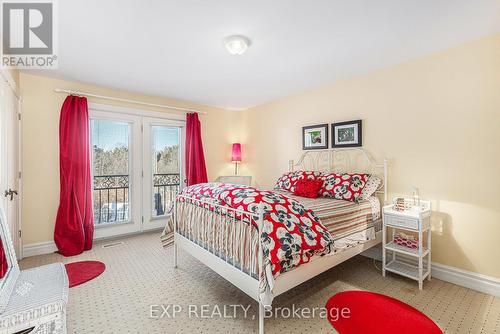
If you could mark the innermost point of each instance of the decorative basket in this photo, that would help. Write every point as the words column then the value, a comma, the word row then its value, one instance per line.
column 406, row 241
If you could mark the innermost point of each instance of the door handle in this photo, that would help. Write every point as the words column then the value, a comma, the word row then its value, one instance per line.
column 10, row 193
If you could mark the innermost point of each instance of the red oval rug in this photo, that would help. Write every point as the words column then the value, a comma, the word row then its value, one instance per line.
column 374, row 313
column 83, row 271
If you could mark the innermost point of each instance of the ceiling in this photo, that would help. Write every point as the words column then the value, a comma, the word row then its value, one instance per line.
column 174, row 48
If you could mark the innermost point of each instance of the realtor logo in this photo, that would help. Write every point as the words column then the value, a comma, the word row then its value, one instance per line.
column 28, row 31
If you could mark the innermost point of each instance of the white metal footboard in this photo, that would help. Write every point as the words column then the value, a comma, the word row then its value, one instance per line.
column 201, row 228
column 208, row 232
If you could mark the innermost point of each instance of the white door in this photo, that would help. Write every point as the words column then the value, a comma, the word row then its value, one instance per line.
column 163, row 168
column 9, row 161
column 116, row 164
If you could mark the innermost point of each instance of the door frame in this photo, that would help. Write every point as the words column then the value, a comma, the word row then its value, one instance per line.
column 135, row 166
column 136, row 112
column 10, row 86
column 142, row 115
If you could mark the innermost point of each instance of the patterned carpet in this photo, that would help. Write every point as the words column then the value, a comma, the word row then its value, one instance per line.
column 140, row 274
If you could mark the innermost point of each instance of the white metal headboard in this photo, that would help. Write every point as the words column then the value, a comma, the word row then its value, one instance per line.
column 343, row 160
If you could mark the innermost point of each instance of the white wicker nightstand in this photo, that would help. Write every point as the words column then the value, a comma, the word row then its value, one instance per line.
column 236, row 179
column 411, row 263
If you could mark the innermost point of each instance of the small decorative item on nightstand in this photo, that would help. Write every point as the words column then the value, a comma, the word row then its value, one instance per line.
column 399, row 204
column 412, row 262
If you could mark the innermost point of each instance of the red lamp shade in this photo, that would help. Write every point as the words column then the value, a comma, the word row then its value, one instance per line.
column 236, row 153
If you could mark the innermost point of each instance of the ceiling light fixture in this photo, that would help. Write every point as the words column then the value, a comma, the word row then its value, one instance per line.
column 236, row 44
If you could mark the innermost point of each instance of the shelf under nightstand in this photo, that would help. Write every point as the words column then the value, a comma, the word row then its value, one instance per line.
column 405, row 269
column 392, row 246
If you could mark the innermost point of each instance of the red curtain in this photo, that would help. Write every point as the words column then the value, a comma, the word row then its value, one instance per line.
column 74, row 224
column 196, row 171
column 3, row 261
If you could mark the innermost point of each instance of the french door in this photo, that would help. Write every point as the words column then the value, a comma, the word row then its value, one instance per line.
column 137, row 171
column 9, row 162
column 163, row 168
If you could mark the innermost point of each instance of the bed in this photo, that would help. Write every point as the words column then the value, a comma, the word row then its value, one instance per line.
column 268, row 242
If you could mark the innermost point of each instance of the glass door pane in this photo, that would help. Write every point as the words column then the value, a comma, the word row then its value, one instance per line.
column 116, row 143
column 165, row 168
column 110, row 142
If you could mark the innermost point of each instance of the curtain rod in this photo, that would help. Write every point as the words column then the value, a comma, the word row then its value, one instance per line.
column 76, row 92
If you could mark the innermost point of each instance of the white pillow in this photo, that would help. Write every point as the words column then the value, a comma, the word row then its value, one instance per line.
column 370, row 187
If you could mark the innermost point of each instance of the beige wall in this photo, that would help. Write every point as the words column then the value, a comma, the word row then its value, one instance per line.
column 40, row 146
column 437, row 119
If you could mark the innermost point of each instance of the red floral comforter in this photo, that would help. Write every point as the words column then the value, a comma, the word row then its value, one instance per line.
column 292, row 234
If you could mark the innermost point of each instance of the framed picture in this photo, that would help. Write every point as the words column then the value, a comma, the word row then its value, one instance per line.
column 347, row 134
column 315, row 137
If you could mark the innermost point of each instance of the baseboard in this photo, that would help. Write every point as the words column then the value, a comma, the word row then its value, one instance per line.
column 47, row 247
column 39, row 248
column 468, row 279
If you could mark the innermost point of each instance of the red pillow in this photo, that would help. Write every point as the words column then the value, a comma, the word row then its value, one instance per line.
column 288, row 180
column 308, row 188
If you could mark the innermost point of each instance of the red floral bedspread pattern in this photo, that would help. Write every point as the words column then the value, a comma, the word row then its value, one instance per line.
column 291, row 235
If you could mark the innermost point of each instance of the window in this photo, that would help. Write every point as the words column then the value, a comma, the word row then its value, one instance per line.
column 166, row 167
column 110, row 142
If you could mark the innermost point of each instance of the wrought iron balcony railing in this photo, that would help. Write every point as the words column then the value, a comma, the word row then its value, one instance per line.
column 111, row 196
column 165, row 188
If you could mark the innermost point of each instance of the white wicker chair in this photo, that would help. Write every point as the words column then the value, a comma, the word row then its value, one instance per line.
column 33, row 300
